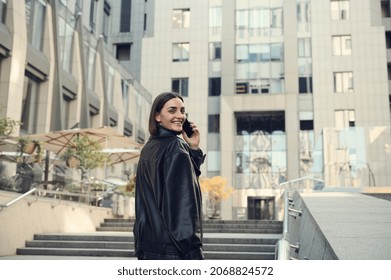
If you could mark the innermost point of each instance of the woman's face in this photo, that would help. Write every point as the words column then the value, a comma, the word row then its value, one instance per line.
column 172, row 115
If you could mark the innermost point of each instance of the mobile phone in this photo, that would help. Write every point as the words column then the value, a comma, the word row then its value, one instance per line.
column 187, row 128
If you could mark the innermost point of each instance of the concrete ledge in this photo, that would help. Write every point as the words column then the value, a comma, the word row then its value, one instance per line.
column 342, row 225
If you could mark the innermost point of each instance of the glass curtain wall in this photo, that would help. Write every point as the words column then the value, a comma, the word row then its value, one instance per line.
column 260, row 150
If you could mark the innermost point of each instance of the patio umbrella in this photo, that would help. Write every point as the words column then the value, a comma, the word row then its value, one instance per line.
column 107, row 137
column 119, row 155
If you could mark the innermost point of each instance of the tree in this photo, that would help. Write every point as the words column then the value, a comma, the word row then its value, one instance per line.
column 7, row 125
column 84, row 154
column 216, row 190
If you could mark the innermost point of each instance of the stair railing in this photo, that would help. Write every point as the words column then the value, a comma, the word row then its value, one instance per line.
column 2, row 206
column 56, row 194
column 283, row 245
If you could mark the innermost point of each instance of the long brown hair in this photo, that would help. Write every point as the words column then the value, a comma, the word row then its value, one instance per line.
column 157, row 106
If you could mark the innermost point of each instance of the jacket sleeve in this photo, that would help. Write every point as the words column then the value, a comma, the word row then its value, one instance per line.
column 198, row 158
column 181, row 205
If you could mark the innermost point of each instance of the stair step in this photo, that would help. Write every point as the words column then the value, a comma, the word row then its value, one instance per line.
column 80, row 244
column 85, row 237
column 238, row 256
column 248, row 240
column 248, row 248
column 75, row 252
column 115, row 228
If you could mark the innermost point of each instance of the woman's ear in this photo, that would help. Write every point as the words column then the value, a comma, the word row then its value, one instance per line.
column 157, row 117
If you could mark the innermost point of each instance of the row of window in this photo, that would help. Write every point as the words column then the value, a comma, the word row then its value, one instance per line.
column 343, row 83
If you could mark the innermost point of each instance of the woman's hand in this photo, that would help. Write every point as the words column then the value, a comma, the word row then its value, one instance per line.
column 194, row 140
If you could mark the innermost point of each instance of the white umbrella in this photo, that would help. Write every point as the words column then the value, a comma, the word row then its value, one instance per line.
column 118, row 155
column 107, row 137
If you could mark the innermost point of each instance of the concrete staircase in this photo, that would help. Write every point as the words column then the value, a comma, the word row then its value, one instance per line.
column 248, row 240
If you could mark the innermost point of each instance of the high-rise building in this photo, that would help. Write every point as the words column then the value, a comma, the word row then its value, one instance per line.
column 281, row 90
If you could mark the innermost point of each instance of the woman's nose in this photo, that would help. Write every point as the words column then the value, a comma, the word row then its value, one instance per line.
column 180, row 115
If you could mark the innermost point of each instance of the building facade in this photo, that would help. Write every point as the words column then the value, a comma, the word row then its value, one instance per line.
column 281, row 90
column 59, row 69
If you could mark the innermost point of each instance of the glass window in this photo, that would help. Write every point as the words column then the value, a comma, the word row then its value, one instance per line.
column 215, row 21
column 123, row 52
column 242, row 19
column 30, row 105
column 110, row 84
column 215, row 51
column 106, row 20
column 344, row 119
column 303, row 15
column 126, row 9
column 69, row 108
column 305, row 84
column 213, row 123
column 181, row 86
column 3, row 10
column 214, row 86
column 180, row 52
column 304, row 65
column 92, row 15
column 260, row 149
column 65, row 44
column 181, row 18
column 91, row 67
column 277, row 52
column 304, row 47
column 35, row 20
column 215, row 18
column 340, row 9
column 125, row 96
column 343, row 82
column 78, row 6
column 276, row 18
column 342, row 45
column 242, row 54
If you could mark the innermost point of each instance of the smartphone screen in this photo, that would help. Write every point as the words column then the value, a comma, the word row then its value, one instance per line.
column 187, row 128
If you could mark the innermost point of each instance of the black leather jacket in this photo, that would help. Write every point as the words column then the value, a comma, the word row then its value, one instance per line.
column 168, row 198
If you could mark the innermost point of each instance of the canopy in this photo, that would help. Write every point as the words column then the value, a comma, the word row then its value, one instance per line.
column 118, row 155
column 107, row 137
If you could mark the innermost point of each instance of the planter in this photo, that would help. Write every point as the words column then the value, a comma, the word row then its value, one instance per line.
column 29, row 148
column 73, row 162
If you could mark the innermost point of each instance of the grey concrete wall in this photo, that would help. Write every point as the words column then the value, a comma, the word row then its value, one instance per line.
column 306, row 233
column 29, row 216
column 340, row 225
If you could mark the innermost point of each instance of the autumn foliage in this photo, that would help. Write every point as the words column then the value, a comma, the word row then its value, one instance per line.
column 216, row 188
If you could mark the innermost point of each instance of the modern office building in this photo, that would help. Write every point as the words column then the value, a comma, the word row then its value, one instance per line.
column 282, row 91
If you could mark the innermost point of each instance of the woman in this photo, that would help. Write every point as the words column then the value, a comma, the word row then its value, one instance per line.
column 168, row 198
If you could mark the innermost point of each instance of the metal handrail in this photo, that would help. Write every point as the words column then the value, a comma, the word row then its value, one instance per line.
column 301, row 179
column 54, row 192
column 2, row 206
column 283, row 246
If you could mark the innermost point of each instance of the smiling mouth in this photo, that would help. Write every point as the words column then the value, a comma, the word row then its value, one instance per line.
column 178, row 123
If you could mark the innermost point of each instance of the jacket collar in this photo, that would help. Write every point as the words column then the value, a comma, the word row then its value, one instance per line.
column 162, row 132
